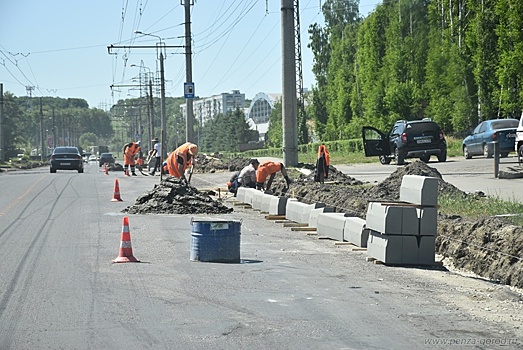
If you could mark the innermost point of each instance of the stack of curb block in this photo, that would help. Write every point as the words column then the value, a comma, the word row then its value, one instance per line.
column 404, row 233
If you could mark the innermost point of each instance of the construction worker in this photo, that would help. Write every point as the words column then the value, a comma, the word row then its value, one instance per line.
column 247, row 177
column 180, row 159
column 322, row 164
column 156, row 153
column 130, row 150
column 267, row 169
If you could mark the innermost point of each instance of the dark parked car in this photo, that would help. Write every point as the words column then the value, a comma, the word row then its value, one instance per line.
column 407, row 139
column 481, row 142
column 66, row 158
column 106, row 158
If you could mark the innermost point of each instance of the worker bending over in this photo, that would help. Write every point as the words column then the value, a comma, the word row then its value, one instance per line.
column 180, row 159
column 269, row 169
column 130, row 150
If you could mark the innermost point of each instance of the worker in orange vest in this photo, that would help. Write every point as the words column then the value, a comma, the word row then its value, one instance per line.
column 269, row 169
column 180, row 159
column 130, row 150
column 322, row 164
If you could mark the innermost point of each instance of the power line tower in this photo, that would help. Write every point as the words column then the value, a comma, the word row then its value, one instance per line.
column 303, row 135
column 30, row 90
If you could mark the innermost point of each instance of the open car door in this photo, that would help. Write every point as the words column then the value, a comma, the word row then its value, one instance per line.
column 375, row 143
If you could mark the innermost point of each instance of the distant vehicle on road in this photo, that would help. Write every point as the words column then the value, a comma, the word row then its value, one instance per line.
column 407, row 139
column 106, row 158
column 92, row 158
column 66, row 158
column 481, row 141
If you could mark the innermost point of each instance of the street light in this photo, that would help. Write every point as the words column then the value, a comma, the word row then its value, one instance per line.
column 162, row 98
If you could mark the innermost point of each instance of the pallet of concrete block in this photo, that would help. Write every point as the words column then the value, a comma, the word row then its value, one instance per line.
column 404, row 232
column 401, row 250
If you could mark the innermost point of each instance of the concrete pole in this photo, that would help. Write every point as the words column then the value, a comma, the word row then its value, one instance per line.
column 150, row 109
column 2, row 141
column 188, row 67
column 42, row 141
column 289, row 102
column 162, row 111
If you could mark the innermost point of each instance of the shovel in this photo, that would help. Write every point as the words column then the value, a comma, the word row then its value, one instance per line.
column 190, row 175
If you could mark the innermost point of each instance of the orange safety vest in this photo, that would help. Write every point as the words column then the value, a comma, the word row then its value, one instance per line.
column 323, row 150
column 172, row 160
column 265, row 169
column 130, row 152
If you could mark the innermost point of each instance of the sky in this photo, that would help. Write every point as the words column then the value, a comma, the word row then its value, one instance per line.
column 58, row 48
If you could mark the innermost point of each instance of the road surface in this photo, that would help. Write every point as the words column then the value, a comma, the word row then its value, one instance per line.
column 60, row 290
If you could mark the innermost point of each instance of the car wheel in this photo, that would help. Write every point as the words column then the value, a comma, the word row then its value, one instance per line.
column 400, row 158
column 425, row 158
column 53, row 171
column 504, row 155
column 384, row 160
column 520, row 154
column 80, row 170
column 466, row 153
column 486, row 151
column 442, row 157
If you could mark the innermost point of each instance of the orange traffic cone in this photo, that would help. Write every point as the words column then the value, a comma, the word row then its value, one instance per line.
column 127, row 172
column 126, row 250
column 116, row 196
column 106, row 168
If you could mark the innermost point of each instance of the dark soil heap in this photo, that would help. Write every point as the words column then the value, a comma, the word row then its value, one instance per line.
column 173, row 197
column 215, row 162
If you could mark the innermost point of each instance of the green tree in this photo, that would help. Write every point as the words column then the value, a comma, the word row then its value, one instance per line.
column 274, row 135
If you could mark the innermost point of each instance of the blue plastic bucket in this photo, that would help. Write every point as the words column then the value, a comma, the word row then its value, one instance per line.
column 215, row 240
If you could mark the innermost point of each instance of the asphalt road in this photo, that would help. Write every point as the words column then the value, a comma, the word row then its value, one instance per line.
column 60, row 290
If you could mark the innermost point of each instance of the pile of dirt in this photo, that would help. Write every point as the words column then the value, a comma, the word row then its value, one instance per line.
column 211, row 163
column 489, row 247
column 171, row 196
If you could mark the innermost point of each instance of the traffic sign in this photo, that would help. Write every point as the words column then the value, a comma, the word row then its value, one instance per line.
column 188, row 90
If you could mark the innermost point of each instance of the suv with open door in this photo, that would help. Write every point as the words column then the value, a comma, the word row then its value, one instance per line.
column 407, row 139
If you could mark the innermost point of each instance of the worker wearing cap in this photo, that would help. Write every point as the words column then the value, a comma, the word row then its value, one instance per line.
column 269, row 169
column 156, row 153
column 180, row 159
column 130, row 150
column 247, row 177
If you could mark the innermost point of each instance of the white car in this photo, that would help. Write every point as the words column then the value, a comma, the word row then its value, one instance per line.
column 92, row 158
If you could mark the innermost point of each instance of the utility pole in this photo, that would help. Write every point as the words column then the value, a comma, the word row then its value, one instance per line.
column 162, row 112
column 42, row 141
column 54, row 131
column 188, row 67
column 289, row 117
column 2, row 141
column 151, row 113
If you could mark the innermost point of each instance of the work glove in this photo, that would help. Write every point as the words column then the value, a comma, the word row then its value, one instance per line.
column 184, row 180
